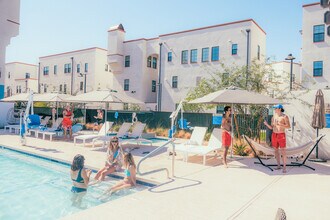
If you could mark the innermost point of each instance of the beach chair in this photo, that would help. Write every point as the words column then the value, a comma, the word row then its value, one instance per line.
column 123, row 132
column 214, row 145
column 107, row 125
column 291, row 151
column 41, row 127
column 75, row 129
column 135, row 135
column 196, row 139
column 50, row 131
column 12, row 128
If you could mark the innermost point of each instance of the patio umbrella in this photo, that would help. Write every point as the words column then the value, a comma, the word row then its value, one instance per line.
column 103, row 96
column 22, row 97
column 234, row 95
column 318, row 120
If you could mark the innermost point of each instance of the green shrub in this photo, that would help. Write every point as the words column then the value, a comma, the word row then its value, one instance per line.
column 239, row 149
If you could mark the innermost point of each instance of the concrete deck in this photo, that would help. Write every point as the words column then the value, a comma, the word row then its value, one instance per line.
column 242, row 191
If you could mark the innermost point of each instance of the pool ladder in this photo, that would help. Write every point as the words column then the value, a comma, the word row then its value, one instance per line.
column 170, row 142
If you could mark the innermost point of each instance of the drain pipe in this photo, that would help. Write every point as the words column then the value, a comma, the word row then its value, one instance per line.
column 71, row 75
column 248, row 31
column 159, row 96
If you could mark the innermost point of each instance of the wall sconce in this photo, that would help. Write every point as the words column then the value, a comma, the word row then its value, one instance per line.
column 133, row 91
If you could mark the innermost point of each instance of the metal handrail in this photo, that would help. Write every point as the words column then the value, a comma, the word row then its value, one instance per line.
column 155, row 151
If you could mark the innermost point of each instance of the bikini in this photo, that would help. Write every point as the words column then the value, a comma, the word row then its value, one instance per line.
column 79, row 179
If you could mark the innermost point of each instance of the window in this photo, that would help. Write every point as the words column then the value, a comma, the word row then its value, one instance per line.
column 126, row 85
column 27, row 75
column 106, row 67
column 46, row 70
column 318, row 68
column 55, row 69
column 198, row 80
column 67, row 68
column 193, row 56
column 184, row 57
column 205, row 54
column 78, row 68
column 153, row 86
column 127, row 61
column 234, row 48
column 8, row 75
column 169, row 57
column 86, row 67
column 258, row 53
column 81, row 86
column 154, row 63
column 215, row 53
column 149, row 61
column 318, row 33
column 45, row 88
column 64, row 88
column 174, row 82
column 61, row 88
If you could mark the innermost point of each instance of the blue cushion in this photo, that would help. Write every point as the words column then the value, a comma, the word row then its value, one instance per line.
column 33, row 120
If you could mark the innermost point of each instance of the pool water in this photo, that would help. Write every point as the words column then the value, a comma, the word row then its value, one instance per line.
column 36, row 188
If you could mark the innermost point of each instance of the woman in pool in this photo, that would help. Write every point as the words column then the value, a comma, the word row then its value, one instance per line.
column 113, row 160
column 79, row 175
column 130, row 175
column 80, row 178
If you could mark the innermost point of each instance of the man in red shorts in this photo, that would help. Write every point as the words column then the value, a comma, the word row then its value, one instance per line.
column 226, row 136
column 280, row 122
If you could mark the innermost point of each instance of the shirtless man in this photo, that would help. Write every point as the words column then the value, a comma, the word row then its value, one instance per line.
column 280, row 122
column 226, row 136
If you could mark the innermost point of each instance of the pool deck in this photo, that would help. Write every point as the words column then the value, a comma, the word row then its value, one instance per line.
column 241, row 191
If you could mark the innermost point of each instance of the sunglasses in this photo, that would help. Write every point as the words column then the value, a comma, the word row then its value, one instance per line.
column 114, row 141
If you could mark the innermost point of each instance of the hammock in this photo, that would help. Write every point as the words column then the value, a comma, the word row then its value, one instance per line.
column 289, row 151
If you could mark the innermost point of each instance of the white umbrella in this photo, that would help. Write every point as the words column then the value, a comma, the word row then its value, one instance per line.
column 22, row 97
column 234, row 95
column 103, row 96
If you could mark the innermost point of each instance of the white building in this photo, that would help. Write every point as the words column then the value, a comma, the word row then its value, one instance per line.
column 20, row 77
column 184, row 60
column 61, row 72
column 315, row 48
column 280, row 79
column 9, row 26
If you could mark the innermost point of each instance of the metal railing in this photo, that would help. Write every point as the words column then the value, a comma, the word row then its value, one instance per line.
column 153, row 152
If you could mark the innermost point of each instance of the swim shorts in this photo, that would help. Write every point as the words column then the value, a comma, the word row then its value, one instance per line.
column 278, row 140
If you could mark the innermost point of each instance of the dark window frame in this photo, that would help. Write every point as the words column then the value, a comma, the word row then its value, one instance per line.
column 318, row 36
column 234, row 49
column 126, row 84
column 184, row 57
column 215, row 56
column 153, row 85
column 193, row 56
column 127, row 61
column 317, row 72
column 175, row 80
column 205, row 56
column 169, row 57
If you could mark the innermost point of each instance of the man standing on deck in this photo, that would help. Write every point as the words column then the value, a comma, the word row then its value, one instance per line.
column 279, row 123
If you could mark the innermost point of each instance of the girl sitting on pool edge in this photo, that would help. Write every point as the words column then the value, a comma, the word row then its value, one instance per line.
column 129, row 178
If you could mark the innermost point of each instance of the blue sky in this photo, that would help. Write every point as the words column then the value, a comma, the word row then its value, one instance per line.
column 49, row 27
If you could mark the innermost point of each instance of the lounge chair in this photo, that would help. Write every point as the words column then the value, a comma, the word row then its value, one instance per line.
column 213, row 145
column 291, row 151
column 50, row 131
column 196, row 139
column 135, row 135
column 102, row 132
column 123, row 132
column 13, row 128
column 75, row 129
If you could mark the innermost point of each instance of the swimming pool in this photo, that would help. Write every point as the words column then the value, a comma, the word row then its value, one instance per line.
column 36, row 188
